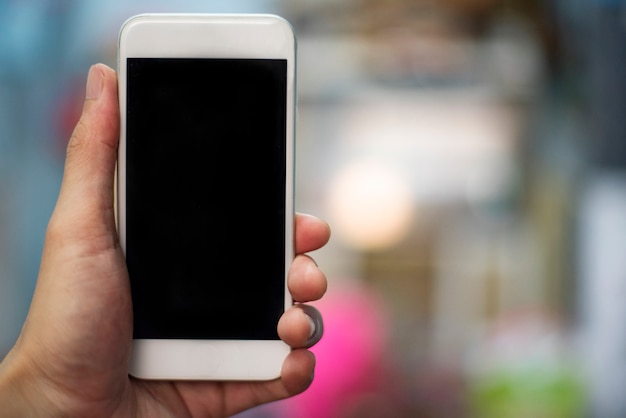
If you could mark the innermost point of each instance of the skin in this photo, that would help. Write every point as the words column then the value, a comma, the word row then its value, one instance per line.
column 71, row 359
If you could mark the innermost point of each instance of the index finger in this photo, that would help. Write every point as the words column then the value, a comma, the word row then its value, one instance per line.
column 311, row 233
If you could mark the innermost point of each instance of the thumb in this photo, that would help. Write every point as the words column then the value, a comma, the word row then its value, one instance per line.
column 86, row 197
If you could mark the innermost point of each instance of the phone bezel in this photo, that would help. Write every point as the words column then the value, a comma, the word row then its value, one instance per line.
column 230, row 36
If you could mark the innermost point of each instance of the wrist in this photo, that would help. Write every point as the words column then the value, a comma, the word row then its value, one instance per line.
column 18, row 389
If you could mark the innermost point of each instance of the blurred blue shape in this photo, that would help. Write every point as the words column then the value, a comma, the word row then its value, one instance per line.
column 19, row 34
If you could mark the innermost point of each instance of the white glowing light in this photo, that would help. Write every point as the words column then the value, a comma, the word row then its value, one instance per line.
column 370, row 205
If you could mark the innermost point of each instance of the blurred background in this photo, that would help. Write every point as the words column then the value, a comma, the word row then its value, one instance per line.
column 470, row 156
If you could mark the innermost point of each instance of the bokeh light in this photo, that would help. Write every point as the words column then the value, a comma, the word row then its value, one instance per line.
column 371, row 204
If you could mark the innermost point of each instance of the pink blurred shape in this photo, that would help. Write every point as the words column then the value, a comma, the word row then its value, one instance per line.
column 350, row 356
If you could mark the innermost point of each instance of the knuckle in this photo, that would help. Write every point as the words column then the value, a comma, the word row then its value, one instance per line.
column 78, row 138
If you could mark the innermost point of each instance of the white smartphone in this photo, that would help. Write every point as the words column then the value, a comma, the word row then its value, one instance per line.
column 205, row 191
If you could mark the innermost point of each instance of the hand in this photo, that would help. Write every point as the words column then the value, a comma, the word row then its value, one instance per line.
column 72, row 356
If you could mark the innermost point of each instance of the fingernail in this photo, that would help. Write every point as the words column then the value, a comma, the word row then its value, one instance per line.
column 94, row 83
column 312, row 326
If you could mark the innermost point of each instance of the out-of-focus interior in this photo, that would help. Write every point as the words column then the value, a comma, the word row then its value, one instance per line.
column 470, row 156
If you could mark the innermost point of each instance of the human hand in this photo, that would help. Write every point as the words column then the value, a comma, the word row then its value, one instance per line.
column 72, row 356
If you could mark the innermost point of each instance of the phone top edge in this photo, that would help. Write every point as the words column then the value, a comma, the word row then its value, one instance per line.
column 217, row 18
column 181, row 34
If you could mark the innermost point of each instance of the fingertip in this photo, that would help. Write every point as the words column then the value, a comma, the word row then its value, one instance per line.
column 298, row 371
column 306, row 281
column 312, row 233
column 97, row 77
column 294, row 328
column 313, row 221
column 301, row 326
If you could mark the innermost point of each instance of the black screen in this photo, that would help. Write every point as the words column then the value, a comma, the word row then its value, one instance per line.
column 205, row 204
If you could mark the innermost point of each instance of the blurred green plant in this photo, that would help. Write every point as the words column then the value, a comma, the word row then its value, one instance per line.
column 553, row 392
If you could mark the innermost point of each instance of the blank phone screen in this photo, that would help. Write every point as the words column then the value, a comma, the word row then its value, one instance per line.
column 205, row 198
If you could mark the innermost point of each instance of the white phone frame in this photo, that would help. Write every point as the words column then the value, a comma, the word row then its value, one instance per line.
column 209, row 36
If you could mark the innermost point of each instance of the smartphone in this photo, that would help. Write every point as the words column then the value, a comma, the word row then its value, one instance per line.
column 205, row 191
